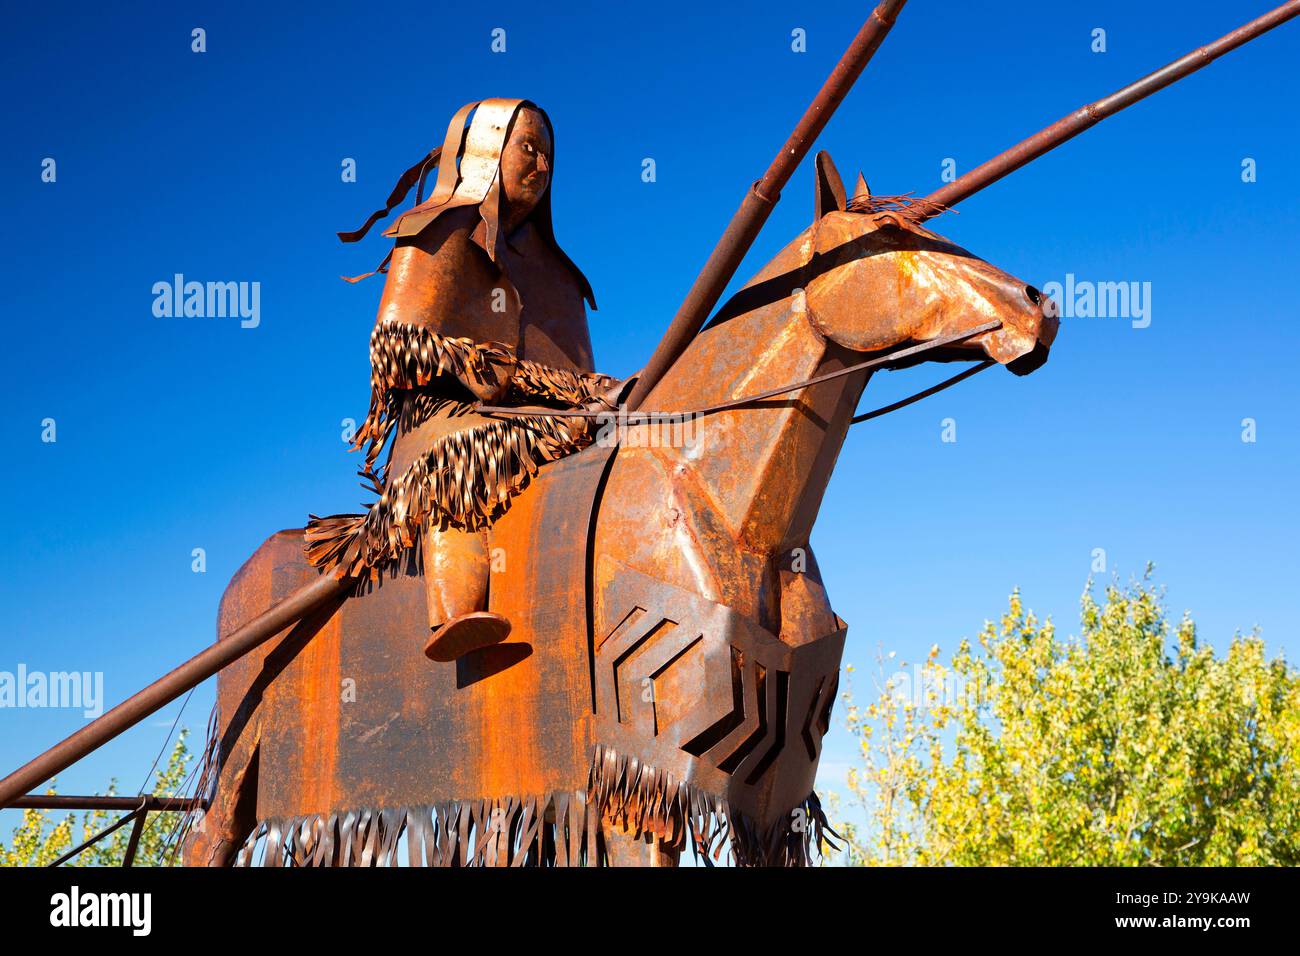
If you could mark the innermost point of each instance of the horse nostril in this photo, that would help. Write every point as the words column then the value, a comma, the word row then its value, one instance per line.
column 1033, row 295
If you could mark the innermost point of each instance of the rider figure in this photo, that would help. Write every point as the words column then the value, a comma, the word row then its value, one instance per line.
column 480, row 305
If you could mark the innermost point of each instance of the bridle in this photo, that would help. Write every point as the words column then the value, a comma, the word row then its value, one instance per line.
column 639, row 417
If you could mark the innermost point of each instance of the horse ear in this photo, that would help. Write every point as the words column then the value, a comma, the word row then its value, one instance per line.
column 861, row 190
column 830, row 188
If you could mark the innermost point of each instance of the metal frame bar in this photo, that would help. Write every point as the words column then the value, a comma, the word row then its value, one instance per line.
column 52, row 801
column 133, row 843
column 138, row 809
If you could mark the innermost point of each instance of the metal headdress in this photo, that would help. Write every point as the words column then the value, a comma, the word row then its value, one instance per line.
column 471, row 177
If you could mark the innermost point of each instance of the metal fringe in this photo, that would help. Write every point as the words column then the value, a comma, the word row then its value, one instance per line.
column 464, row 480
column 555, row 830
column 205, row 783
column 907, row 204
column 564, row 828
column 643, row 800
column 405, row 356
column 534, row 382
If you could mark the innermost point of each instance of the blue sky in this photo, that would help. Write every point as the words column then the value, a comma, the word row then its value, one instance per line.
column 175, row 434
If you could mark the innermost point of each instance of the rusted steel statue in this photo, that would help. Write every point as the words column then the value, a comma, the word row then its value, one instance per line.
column 672, row 657
column 563, row 635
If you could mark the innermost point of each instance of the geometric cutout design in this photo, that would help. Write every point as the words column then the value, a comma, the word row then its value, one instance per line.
column 675, row 684
column 708, row 739
column 733, row 710
column 625, row 684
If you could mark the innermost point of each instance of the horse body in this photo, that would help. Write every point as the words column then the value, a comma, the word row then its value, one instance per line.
column 674, row 656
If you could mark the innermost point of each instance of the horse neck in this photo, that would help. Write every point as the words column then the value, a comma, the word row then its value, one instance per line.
column 763, row 468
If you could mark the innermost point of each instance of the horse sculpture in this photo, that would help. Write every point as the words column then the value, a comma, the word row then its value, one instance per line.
column 674, row 658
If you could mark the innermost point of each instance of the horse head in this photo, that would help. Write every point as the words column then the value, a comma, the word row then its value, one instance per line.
column 875, row 278
column 865, row 279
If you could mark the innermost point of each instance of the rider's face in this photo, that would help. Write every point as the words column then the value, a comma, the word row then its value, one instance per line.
column 526, row 163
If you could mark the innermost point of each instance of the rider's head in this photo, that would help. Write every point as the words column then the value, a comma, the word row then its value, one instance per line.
column 498, row 156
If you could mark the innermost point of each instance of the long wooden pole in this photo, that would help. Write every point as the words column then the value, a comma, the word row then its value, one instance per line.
column 1088, row 116
column 166, row 689
column 760, row 200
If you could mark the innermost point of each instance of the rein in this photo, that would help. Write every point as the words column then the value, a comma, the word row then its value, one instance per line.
column 640, row 417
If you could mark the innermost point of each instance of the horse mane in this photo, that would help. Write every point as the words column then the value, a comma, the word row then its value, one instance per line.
column 910, row 205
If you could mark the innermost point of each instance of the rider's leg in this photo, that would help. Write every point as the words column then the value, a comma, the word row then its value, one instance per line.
column 456, row 570
column 455, row 573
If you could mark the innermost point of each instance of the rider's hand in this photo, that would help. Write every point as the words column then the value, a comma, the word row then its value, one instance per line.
column 610, row 398
column 606, row 400
column 492, row 391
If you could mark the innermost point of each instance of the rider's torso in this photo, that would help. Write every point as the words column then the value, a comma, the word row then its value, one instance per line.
column 444, row 281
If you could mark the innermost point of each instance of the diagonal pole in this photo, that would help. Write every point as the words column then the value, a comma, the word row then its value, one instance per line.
column 133, row 843
column 1088, row 116
column 136, row 814
column 167, row 688
column 760, row 200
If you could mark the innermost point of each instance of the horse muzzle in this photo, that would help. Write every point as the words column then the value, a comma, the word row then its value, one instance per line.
column 1045, row 325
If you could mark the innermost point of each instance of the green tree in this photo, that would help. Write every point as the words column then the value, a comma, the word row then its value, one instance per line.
column 1132, row 744
column 40, row 839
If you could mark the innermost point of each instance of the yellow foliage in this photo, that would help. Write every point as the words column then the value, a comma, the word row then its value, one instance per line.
column 1132, row 744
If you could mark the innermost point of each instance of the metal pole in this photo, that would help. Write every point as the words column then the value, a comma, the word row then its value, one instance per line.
column 760, row 200
column 59, row 801
column 133, row 815
column 1081, row 119
column 133, row 843
column 166, row 689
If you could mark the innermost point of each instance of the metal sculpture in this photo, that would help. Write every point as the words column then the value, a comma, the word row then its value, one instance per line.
column 669, row 674
column 655, row 661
